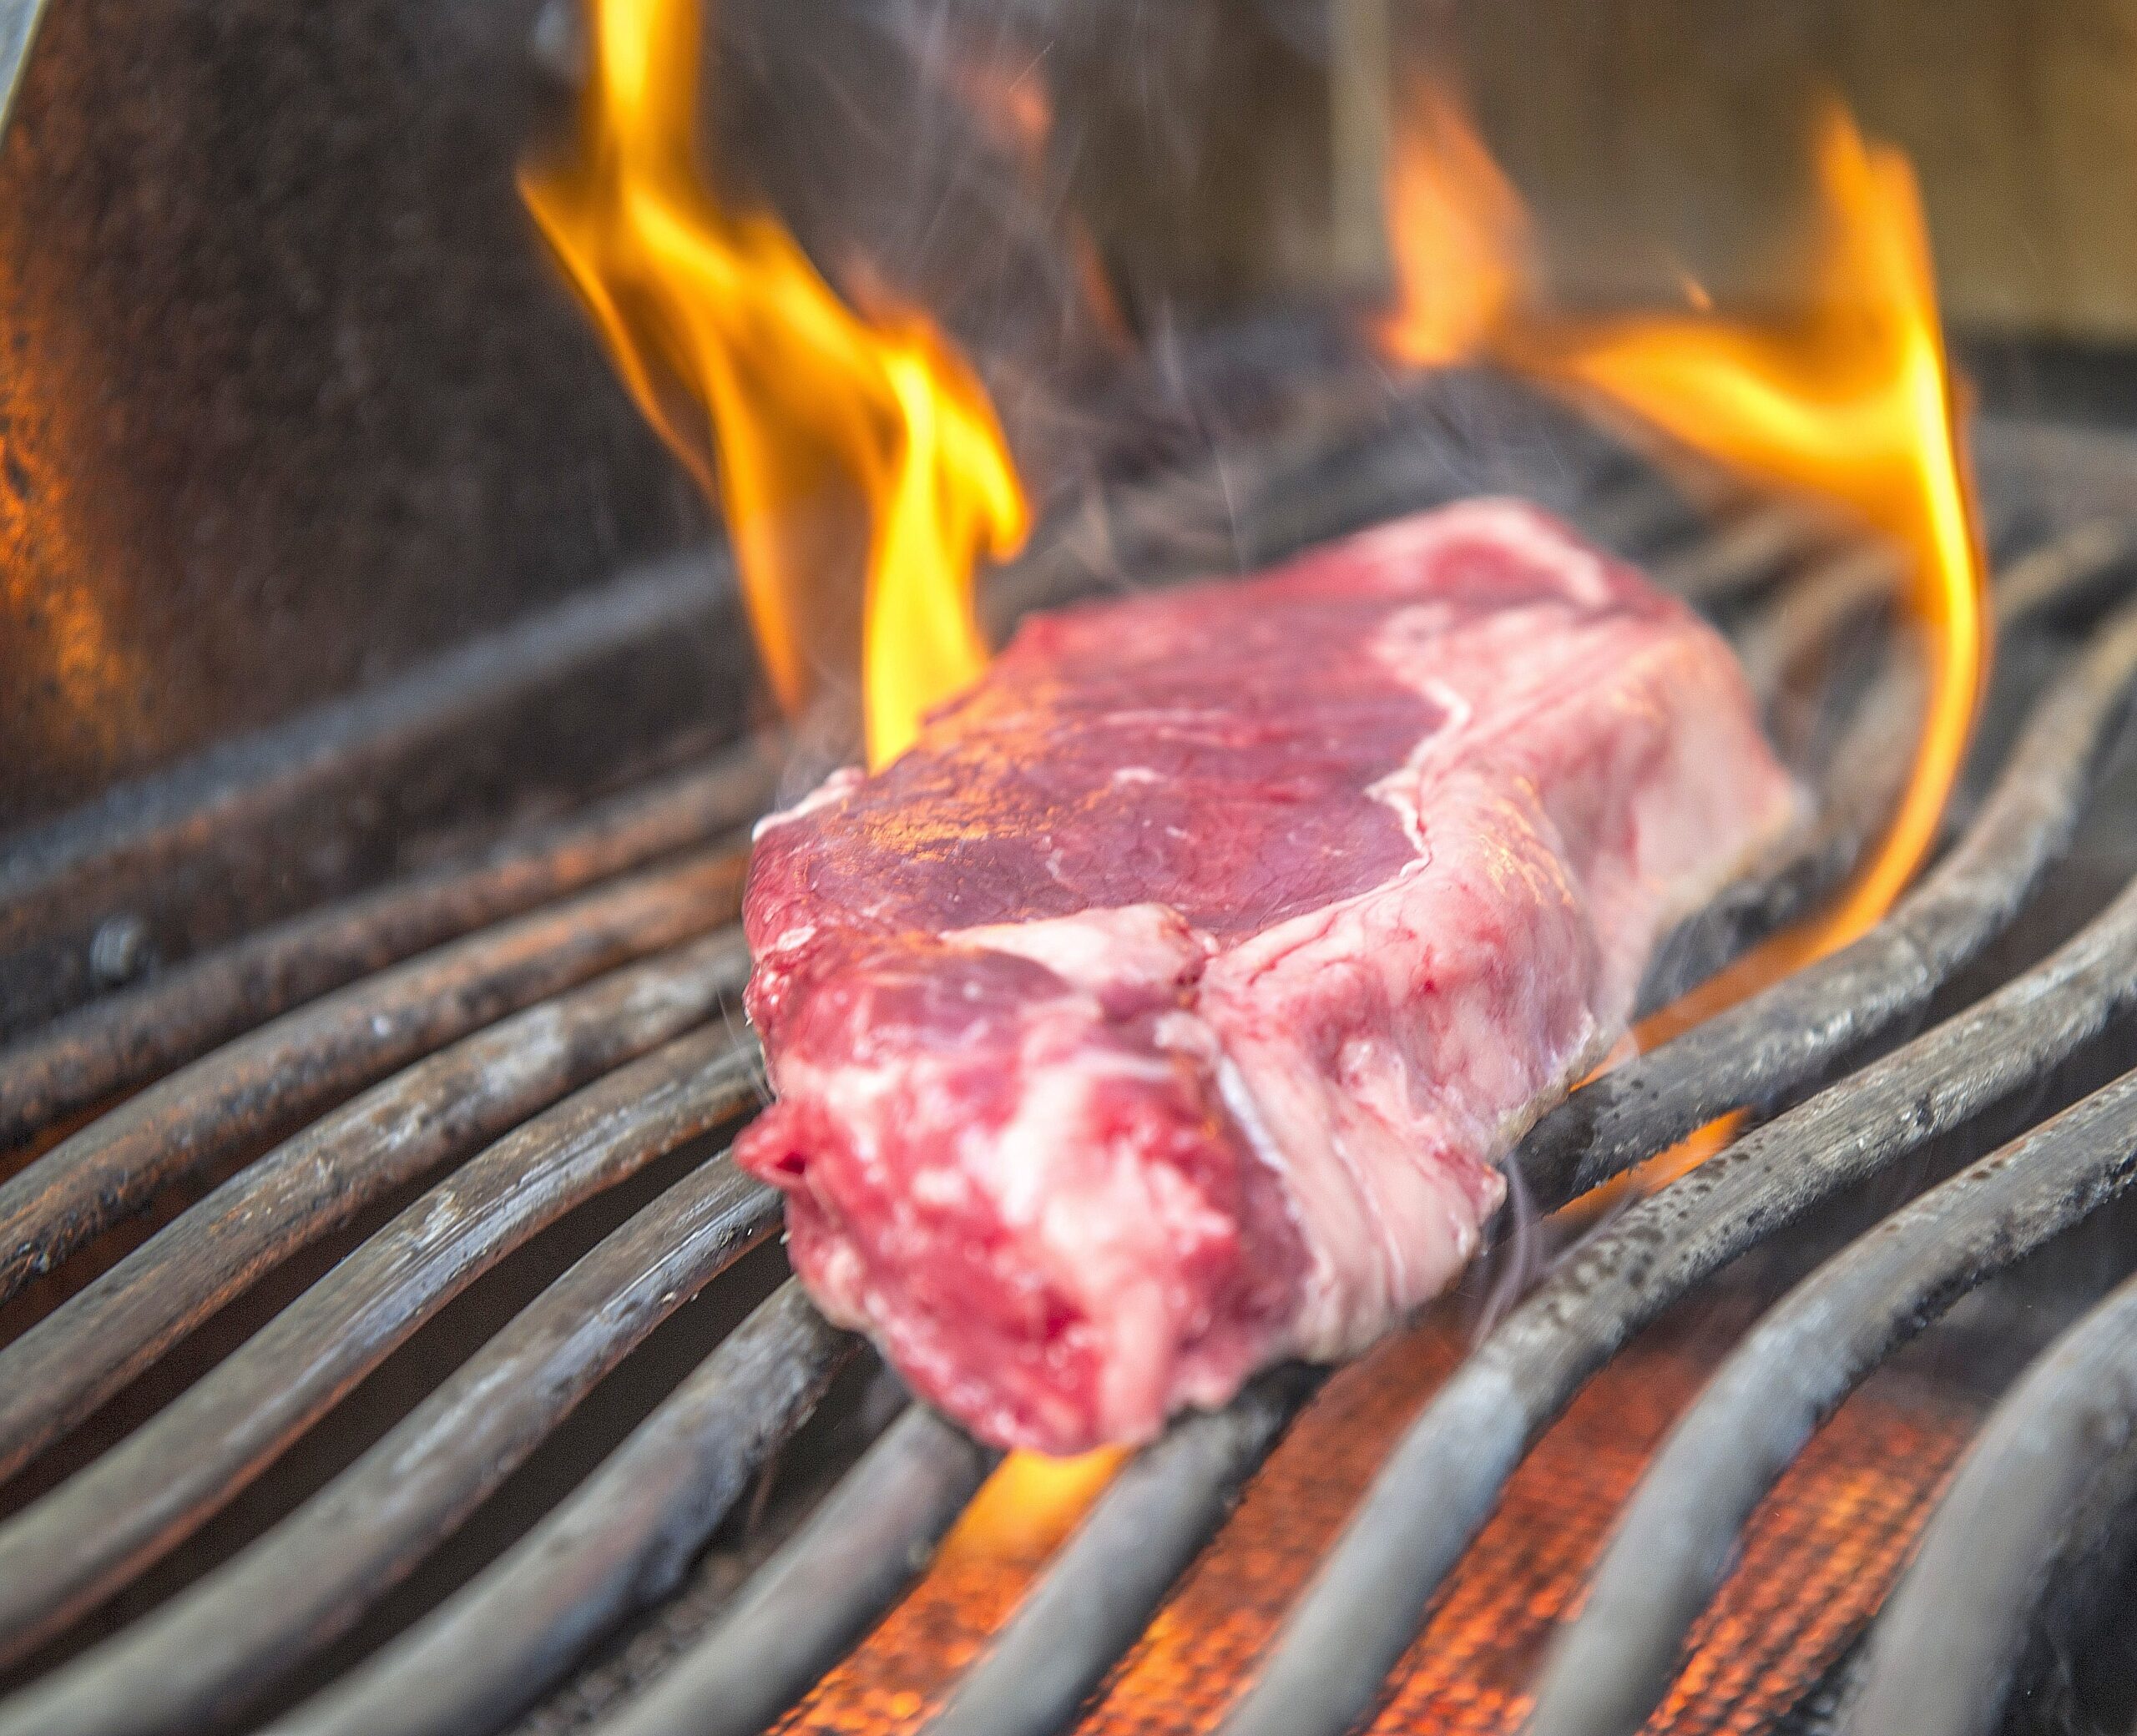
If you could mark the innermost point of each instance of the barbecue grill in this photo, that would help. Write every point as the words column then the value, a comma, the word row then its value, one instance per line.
column 387, row 1346
column 340, row 1123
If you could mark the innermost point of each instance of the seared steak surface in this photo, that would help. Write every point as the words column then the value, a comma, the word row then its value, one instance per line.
column 1168, row 1007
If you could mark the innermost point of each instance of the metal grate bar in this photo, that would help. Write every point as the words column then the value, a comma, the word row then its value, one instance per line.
column 1822, row 603
column 1443, row 1481
column 87, row 1057
column 235, row 1632
column 1757, row 547
column 2041, row 584
column 1096, row 1598
column 68, row 1363
column 2054, row 1455
column 258, row 1086
column 815, row 1598
column 1869, row 764
column 137, row 1501
column 2052, row 1459
column 622, row 1541
column 1679, row 1531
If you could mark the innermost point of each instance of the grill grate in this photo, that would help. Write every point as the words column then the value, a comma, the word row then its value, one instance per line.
column 549, row 1021
column 1817, row 1563
column 2053, row 1460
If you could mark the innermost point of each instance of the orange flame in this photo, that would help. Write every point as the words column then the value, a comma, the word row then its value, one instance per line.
column 801, row 416
column 1852, row 401
column 1456, row 235
column 1031, row 1503
column 795, row 413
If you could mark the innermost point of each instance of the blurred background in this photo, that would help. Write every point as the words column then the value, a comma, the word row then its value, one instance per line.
column 295, row 404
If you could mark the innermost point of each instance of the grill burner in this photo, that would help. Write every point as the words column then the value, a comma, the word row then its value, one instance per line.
column 556, row 1019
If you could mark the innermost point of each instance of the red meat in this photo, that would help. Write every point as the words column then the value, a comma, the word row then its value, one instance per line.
column 1167, row 1009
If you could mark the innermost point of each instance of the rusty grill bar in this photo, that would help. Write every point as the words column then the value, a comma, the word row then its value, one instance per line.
column 530, row 1030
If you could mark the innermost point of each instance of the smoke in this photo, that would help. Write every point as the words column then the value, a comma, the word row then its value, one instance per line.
column 1513, row 1265
column 1109, row 204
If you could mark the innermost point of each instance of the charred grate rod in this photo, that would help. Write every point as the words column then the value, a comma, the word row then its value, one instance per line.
column 622, row 1542
column 1754, row 549
column 2054, row 1456
column 1153, row 1519
column 1678, row 1533
column 260, row 1085
column 1808, row 618
column 135, row 1502
column 199, row 1657
column 124, row 1040
column 871, row 1538
column 442, row 1107
column 1865, row 770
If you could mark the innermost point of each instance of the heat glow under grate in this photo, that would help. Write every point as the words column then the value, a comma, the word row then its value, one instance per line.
column 1819, row 1559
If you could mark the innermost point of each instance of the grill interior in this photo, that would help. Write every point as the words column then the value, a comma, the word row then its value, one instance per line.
column 386, row 1346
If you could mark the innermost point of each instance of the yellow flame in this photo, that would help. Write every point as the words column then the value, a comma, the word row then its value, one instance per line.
column 803, row 417
column 1850, row 402
column 1031, row 1503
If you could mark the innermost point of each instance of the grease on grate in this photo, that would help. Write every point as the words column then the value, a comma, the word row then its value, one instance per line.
column 1818, row 1558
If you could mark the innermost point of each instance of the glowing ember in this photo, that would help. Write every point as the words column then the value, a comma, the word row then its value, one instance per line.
column 1851, row 402
column 805, row 419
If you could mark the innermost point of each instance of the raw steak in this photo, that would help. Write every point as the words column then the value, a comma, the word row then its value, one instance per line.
column 1168, row 1007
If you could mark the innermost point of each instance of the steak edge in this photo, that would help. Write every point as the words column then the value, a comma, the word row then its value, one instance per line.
column 1167, row 1009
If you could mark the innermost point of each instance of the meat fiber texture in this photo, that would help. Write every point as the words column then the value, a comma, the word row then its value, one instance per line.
column 1167, row 1009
